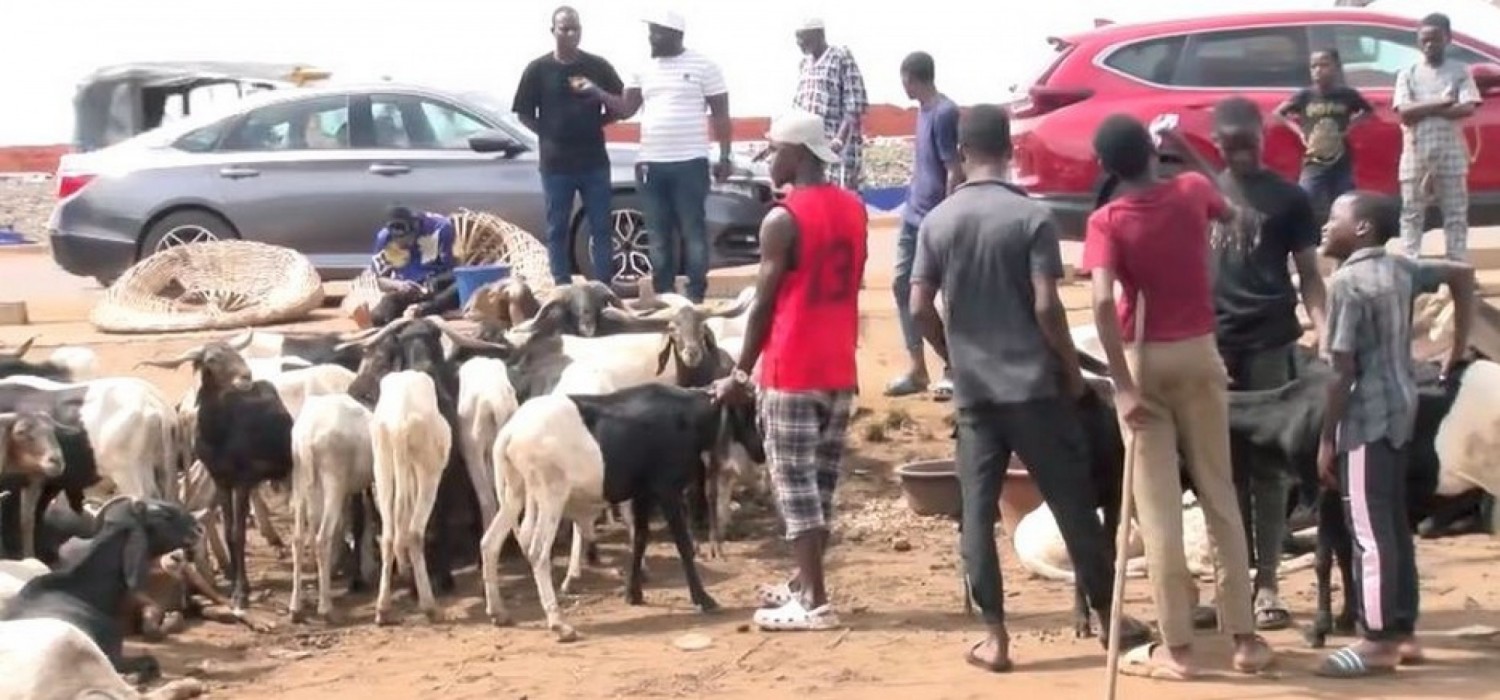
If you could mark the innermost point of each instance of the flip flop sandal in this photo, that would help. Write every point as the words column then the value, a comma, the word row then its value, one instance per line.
column 904, row 386
column 1271, row 614
column 793, row 617
column 1347, row 663
column 774, row 595
column 1138, row 662
column 943, row 390
column 996, row 666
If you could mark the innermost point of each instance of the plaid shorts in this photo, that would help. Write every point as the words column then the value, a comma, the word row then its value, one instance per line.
column 804, row 433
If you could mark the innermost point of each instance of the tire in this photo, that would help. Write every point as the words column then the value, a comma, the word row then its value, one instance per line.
column 628, row 222
column 188, row 226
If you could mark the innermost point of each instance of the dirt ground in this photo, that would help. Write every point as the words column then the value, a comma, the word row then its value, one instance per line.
column 894, row 577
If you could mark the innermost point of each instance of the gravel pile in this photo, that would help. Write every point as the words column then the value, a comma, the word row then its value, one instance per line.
column 887, row 162
column 25, row 205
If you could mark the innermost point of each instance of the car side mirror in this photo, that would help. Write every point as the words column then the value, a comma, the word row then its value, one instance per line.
column 496, row 142
column 1486, row 78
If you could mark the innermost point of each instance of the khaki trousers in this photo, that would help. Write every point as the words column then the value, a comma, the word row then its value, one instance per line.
column 1185, row 385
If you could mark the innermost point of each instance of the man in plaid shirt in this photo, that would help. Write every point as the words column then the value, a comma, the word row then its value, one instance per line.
column 831, row 87
column 1432, row 98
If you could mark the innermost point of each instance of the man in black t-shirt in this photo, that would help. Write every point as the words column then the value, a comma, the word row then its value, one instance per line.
column 558, row 98
column 1322, row 115
column 1257, row 326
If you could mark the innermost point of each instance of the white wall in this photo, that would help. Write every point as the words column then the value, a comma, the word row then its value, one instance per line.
column 981, row 50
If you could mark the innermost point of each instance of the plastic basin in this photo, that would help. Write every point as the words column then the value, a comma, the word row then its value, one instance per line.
column 471, row 278
column 931, row 488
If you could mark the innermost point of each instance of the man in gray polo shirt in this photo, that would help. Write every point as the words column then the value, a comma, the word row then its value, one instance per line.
column 1016, row 378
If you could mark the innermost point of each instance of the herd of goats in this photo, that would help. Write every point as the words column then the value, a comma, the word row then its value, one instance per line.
column 442, row 440
column 557, row 410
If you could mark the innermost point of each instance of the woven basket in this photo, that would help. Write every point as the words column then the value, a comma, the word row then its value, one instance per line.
column 480, row 238
column 214, row 285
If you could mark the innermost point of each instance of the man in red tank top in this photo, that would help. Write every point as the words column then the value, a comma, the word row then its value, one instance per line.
column 804, row 322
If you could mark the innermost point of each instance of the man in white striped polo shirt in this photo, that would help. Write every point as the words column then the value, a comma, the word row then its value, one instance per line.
column 672, row 171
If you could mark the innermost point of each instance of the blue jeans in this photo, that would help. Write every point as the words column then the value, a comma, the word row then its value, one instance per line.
column 674, row 195
column 906, row 251
column 1323, row 185
column 558, row 190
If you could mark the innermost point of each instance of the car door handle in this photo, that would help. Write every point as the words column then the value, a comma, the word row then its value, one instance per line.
column 389, row 169
column 234, row 172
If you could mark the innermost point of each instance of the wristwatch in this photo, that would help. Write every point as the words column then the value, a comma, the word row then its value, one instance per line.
column 738, row 376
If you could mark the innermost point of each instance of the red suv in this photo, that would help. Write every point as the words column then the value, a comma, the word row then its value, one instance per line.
column 1185, row 66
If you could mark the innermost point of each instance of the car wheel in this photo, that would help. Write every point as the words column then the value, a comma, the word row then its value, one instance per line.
column 182, row 228
column 631, row 246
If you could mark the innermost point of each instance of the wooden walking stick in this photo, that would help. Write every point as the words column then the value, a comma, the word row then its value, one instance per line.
column 1127, row 508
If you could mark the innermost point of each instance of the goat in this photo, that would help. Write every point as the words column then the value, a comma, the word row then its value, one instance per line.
column 244, row 438
column 308, row 348
column 486, row 400
column 332, row 464
column 568, row 456
column 67, row 364
column 30, row 453
column 130, row 426
column 415, row 344
column 505, row 304
column 88, row 592
column 50, row 659
column 411, row 442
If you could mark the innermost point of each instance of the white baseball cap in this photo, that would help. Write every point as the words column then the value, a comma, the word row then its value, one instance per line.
column 811, row 23
column 802, row 128
column 671, row 19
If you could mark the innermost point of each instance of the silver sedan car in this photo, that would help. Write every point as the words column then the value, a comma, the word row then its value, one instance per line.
column 316, row 169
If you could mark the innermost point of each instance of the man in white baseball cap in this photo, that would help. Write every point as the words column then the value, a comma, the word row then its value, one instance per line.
column 672, row 171
column 831, row 86
column 804, row 323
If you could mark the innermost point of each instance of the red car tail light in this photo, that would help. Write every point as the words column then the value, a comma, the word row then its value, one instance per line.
column 1041, row 99
column 69, row 184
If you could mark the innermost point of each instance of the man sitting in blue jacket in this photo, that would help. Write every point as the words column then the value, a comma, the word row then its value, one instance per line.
column 413, row 264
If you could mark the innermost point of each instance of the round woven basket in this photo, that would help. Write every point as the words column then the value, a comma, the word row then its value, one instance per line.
column 213, row 285
column 480, row 238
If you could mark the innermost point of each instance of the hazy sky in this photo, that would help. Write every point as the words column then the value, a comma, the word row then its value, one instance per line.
column 483, row 44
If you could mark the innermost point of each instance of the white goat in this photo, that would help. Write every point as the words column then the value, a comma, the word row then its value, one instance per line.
column 14, row 573
column 582, row 378
column 331, row 461
column 1469, row 435
column 411, row 441
column 81, row 362
column 48, row 659
column 1040, row 549
column 486, row 400
column 132, row 429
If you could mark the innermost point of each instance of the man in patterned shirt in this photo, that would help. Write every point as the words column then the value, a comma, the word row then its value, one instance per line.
column 831, row 87
column 1432, row 97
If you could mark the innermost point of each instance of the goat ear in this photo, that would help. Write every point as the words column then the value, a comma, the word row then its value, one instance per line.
column 667, row 346
column 7, row 421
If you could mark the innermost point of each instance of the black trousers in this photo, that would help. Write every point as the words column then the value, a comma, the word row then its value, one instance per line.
column 1046, row 435
column 1373, row 477
column 442, row 298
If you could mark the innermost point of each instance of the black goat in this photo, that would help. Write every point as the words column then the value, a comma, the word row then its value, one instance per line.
column 112, row 567
column 244, row 438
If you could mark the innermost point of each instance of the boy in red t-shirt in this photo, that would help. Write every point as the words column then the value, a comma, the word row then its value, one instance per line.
column 1153, row 239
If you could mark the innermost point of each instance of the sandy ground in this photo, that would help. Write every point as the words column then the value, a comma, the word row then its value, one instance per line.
column 894, row 577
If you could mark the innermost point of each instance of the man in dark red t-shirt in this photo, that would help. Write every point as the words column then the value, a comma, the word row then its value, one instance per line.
column 1153, row 239
column 805, row 321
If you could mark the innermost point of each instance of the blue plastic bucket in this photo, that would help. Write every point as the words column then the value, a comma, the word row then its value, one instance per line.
column 472, row 278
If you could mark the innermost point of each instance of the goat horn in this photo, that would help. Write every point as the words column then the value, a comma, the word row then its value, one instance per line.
column 242, row 342
column 375, row 337
column 740, row 305
column 358, row 335
column 192, row 354
column 462, row 340
column 21, row 349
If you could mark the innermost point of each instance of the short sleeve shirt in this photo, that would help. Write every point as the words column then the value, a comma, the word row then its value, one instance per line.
column 571, row 124
column 1155, row 242
column 982, row 246
column 935, row 147
column 1325, row 123
column 1369, row 317
column 674, row 106
column 1255, row 302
